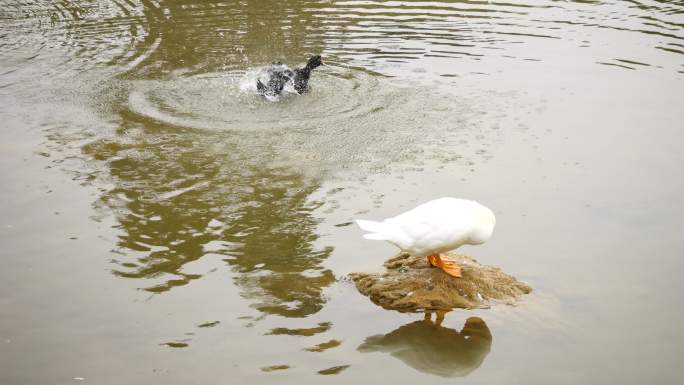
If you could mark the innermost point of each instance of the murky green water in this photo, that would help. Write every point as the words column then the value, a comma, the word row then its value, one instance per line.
column 162, row 224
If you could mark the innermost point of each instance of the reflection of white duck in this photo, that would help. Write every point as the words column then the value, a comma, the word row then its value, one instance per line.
column 434, row 349
column 435, row 227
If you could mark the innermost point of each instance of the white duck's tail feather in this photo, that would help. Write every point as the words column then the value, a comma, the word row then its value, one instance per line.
column 375, row 236
column 381, row 231
column 370, row 226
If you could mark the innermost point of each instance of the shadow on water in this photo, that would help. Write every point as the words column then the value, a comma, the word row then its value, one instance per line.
column 431, row 348
column 179, row 196
column 229, row 36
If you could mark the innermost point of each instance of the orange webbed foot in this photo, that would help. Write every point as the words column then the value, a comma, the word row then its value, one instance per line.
column 449, row 267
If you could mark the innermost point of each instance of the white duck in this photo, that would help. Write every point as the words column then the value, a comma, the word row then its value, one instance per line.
column 435, row 227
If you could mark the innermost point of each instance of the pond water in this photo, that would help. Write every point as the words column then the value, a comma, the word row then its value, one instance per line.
column 162, row 224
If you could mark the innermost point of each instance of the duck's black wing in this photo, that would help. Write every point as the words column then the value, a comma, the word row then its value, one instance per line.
column 301, row 79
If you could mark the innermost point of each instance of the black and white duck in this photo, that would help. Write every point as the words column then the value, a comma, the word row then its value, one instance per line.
column 280, row 75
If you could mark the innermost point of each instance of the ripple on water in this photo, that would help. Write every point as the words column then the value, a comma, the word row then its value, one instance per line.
column 62, row 39
column 350, row 118
column 55, row 40
column 228, row 101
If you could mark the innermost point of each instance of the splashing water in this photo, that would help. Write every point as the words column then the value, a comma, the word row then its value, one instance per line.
column 249, row 81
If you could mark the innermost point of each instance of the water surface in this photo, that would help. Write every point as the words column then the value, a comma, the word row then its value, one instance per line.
column 163, row 224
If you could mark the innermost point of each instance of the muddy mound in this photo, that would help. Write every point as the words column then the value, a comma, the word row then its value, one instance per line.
column 411, row 285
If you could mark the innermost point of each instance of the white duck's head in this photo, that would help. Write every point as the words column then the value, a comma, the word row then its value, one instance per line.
column 484, row 227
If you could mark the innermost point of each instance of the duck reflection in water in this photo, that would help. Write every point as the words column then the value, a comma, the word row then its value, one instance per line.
column 431, row 348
